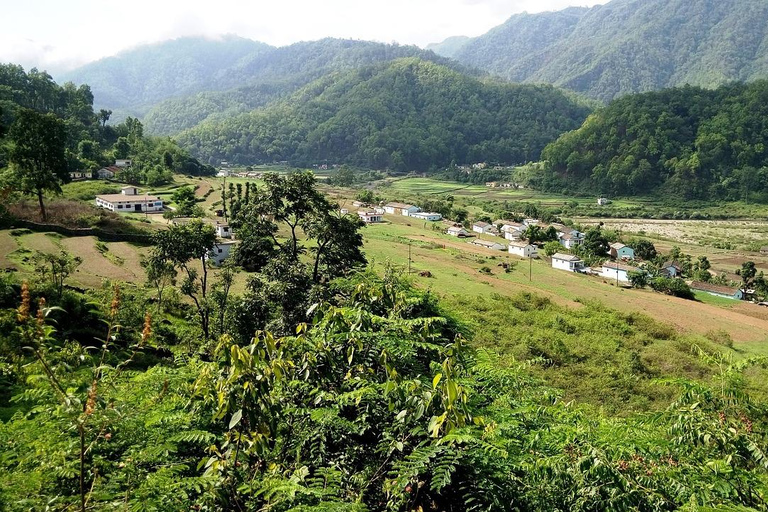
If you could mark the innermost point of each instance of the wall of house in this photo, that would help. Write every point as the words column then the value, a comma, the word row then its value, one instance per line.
column 562, row 265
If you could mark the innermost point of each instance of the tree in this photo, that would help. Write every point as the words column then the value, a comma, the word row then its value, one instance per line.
column 644, row 249
column 181, row 246
column 103, row 116
column 37, row 158
column 185, row 200
column 460, row 215
column 122, row 148
column 748, row 271
column 56, row 267
column 344, row 176
column 595, row 243
column 161, row 273
column 552, row 247
column 638, row 278
column 339, row 243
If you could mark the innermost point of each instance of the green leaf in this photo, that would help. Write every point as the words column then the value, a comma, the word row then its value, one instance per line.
column 236, row 418
column 436, row 380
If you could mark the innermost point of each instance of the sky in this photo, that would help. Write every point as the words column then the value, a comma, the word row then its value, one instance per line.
column 59, row 35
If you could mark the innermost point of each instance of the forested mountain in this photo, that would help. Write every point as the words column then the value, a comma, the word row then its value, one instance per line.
column 278, row 73
column 403, row 115
column 628, row 46
column 685, row 142
column 177, row 84
column 132, row 80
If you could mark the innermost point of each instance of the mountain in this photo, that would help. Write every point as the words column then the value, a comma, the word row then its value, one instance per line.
column 449, row 47
column 628, row 46
column 134, row 79
column 687, row 142
column 277, row 73
column 408, row 114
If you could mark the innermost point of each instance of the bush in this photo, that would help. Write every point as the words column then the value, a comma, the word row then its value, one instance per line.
column 672, row 286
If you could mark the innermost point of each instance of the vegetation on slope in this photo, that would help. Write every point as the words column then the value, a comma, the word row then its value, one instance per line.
column 687, row 143
column 628, row 46
column 404, row 115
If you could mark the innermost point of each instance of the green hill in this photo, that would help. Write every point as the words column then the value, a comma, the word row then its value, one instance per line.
column 686, row 142
column 628, row 46
column 130, row 81
column 403, row 115
column 275, row 74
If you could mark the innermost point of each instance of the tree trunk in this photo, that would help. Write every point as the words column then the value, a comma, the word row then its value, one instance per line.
column 43, row 215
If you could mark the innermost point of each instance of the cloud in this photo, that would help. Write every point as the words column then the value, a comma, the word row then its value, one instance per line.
column 78, row 31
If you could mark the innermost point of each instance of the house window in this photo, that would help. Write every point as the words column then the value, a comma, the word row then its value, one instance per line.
column 120, row 206
column 220, row 251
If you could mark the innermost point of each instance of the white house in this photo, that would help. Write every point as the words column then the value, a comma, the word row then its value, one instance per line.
column 514, row 235
column 223, row 173
column 482, row 227
column 379, row 210
column 369, row 217
column 523, row 249
column 223, row 230
column 344, row 211
column 507, row 226
column 221, row 251
column 569, row 241
column 496, row 246
column 107, row 173
column 567, row 262
column 129, row 200
column 401, row 209
column 80, row 175
column 122, row 163
column 602, row 201
column 458, row 231
column 616, row 271
column 430, row 216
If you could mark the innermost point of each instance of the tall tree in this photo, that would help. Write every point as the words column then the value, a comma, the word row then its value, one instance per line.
column 37, row 156
column 103, row 116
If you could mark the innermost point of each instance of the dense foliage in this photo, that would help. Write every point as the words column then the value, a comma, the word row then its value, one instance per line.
column 628, row 46
column 176, row 84
column 404, row 115
column 685, row 143
column 51, row 130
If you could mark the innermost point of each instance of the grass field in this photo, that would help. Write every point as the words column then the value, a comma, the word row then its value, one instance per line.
column 456, row 270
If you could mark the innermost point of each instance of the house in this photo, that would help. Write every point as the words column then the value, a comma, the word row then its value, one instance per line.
column 129, row 200
column 223, row 173
column 223, row 230
column 764, row 249
column 530, row 222
column 602, row 201
column 616, row 271
column 431, row 216
column 107, row 173
column 379, row 210
column 401, row 209
column 672, row 269
column 516, row 234
column 123, row 163
column 369, row 217
column 569, row 240
column 344, row 211
column 80, row 175
column 458, row 231
column 523, row 249
column 567, row 262
column 619, row 251
column 488, row 244
column 481, row 227
column 718, row 291
column 221, row 250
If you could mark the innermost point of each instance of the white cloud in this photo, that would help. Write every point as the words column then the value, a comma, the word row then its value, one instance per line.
column 79, row 31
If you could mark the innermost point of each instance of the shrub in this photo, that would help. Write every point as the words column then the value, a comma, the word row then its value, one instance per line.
column 672, row 286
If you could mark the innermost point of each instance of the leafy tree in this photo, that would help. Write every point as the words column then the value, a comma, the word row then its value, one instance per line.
column 595, row 243
column 56, row 267
column 644, row 249
column 552, row 247
column 185, row 200
column 103, row 116
column 366, row 196
column 180, row 246
column 37, row 158
column 460, row 215
column 161, row 273
column 638, row 279
column 344, row 176
column 671, row 286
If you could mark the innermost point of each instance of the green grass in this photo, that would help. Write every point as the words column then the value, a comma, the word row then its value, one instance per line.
column 708, row 298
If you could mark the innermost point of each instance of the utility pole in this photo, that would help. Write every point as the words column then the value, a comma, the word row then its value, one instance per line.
column 409, row 257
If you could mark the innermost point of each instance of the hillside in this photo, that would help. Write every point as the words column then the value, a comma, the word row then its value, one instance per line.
column 686, row 143
column 628, row 46
column 449, row 47
column 275, row 74
column 131, row 80
column 403, row 115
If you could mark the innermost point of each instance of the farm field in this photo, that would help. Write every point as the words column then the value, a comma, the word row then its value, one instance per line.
column 456, row 266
